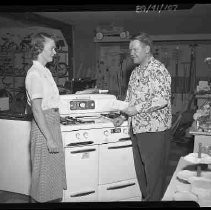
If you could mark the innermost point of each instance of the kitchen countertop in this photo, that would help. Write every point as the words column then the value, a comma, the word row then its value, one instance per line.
column 15, row 116
column 194, row 132
column 172, row 189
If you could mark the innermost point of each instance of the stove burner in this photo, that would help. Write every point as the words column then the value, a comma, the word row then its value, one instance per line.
column 111, row 115
column 74, row 121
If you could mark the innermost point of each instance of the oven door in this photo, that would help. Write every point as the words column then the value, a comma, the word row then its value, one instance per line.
column 118, row 191
column 81, row 173
column 116, row 162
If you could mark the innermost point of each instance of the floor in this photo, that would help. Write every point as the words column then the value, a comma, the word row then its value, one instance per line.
column 178, row 148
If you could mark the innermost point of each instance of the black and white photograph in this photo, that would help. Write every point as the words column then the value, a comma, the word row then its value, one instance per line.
column 105, row 105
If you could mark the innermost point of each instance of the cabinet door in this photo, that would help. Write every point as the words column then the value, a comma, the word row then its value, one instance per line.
column 116, row 162
column 81, row 173
column 15, row 168
column 119, row 191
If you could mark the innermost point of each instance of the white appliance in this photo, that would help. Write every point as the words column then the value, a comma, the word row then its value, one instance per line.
column 15, row 167
column 98, row 157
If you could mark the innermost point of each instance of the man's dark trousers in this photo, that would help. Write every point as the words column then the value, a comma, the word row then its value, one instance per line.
column 151, row 152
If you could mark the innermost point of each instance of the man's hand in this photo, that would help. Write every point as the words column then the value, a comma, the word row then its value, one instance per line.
column 118, row 121
column 130, row 111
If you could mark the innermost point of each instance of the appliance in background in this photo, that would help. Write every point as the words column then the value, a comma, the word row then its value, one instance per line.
column 98, row 157
column 79, row 84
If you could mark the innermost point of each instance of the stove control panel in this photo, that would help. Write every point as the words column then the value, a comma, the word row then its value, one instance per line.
column 96, row 136
column 82, row 104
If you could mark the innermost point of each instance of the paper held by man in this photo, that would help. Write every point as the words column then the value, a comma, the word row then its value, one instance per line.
column 119, row 105
column 157, row 103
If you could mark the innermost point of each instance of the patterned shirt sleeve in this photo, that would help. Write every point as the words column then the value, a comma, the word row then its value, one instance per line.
column 159, row 90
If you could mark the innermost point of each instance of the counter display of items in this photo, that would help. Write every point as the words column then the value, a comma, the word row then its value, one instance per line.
column 79, row 84
column 202, row 118
column 192, row 179
column 201, row 127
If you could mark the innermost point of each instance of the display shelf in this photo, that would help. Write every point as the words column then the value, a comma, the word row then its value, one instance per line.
column 15, row 51
column 11, row 75
column 206, row 96
column 14, row 89
column 195, row 132
column 25, row 51
column 62, row 51
column 111, row 39
column 60, row 76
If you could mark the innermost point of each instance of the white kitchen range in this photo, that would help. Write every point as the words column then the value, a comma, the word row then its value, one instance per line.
column 98, row 156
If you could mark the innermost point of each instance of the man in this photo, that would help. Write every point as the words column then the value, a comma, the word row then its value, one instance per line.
column 149, row 111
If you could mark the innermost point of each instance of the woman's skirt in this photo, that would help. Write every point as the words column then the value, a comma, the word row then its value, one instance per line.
column 48, row 169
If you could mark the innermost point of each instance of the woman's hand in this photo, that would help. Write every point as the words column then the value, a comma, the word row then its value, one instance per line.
column 43, row 126
column 52, row 146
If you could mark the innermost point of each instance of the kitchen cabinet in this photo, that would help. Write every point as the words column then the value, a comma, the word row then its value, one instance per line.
column 15, row 172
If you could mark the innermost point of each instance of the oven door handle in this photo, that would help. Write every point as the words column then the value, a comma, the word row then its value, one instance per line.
column 83, row 151
column 80, row 143
column 120, row 186
column 120, row 147
column 125, row 139
column 82, row 194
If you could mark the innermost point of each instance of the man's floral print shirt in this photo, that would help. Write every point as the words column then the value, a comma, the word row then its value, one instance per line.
column 148, row 84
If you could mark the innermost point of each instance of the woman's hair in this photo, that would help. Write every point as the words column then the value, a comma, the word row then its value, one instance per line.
column 143, row 38
column 37, row 43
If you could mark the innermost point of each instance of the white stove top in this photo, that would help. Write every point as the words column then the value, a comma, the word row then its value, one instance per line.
column 91, row 122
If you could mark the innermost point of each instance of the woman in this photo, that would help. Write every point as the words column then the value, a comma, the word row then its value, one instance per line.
column 47, row 155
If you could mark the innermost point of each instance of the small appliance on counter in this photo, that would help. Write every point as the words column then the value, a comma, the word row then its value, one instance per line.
column 79, row 84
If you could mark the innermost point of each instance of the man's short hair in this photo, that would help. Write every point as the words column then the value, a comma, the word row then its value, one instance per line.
column 143, row 38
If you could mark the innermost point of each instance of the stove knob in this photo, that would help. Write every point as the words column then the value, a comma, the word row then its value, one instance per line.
column 86, row 135
column 125, row 131
column 106, row 133
column 77, row 135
